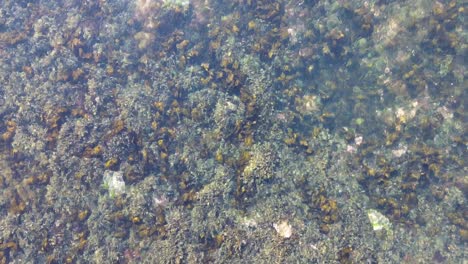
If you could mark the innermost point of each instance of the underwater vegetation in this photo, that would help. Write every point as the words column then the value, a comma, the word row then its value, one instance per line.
column 242, row 131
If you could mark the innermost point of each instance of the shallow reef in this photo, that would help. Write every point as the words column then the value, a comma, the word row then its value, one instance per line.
column 241, row 131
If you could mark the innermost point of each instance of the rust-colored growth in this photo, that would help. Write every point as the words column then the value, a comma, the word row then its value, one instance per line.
column 75, row 43
column 182, row 61
column 215, row 31
column 189, row 196
column 11, row 38
column 459, row 217
column 9, row 245
column 154, row 125
column 119, row 125
column 17, row 206
column 205, row 66
column 83, row 214
column 248, row 140
column 335, row 34
column 51, row 259
column 291, row 139
column 53, row 118
column 159, row 106
column 235, row 29
column 81, row 244
column 410, row 199
column 326, row 49
column 464, row 234
column 176, row 109
column 78, row 112
column 45, row 246
column 329, row 211
column 257, row 47
column 266, row 10
column 193, row 53
column 28, row 70
column 172, row 133
column 391, row 138
column 435, row 168
column 110, row 69
column 43, row 178
column 251, row 25
column 69, row 260
column 77, row 74
column 409, row 186
column 162, row 231
column 324, row 228
column 326, row 117
column 145, row 231
column 85, row 55
column 111, row 162
column 136, row 219
column 244, row 159
column 63, row 75
column 393, row 208
column 329, row 206
column 182, row 45
column 274, row 50
column 117, row 216
column 11, row 125
column 96, row 54
column 161, row 218
column 93, row 152
column 344, row 255
column 196, row 114
column 219, row 156
column 219, row 239
column 51, row 137
column 206, row 80
column 29, row 180
column 285, row 79
column 120, row 233
column 392, row 203
column 132, row 175
column 144, row 155
column 7, row 248
column 214, row 45
column 163, row 155
column 10, row 130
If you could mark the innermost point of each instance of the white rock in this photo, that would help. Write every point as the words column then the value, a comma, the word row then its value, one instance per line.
column 283, row 229
column 113, row 180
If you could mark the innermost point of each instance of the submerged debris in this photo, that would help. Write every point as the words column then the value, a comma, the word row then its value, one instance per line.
column 379, row 221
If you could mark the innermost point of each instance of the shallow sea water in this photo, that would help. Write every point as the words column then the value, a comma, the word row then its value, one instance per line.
column 242, row 131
